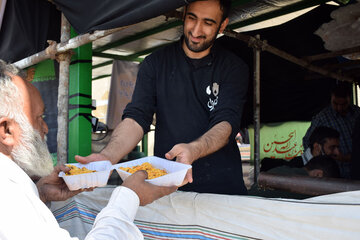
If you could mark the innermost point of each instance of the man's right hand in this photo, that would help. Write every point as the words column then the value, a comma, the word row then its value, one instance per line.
column 91, row 158
column 53, row 188
column 146, row 192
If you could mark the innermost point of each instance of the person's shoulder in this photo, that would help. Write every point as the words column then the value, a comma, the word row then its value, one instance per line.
column 355, row 112
column 325, row 111
column 355, row 109
column 357, row 123
column 169, row 49
column 160, row 55
column 327, row 108
column 228, row 56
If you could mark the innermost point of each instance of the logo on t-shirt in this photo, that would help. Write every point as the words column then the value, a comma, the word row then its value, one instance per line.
column 213, row 98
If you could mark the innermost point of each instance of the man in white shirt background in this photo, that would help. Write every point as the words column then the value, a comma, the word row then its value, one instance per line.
column 24, row 154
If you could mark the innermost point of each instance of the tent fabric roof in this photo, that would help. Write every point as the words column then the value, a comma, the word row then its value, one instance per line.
column 27, row 24
column 86, row 16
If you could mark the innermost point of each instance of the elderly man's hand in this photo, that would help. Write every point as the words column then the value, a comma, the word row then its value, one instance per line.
column 146, row 192
column 53, row 188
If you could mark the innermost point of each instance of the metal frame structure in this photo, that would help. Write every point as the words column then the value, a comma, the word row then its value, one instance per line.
column 63, row 95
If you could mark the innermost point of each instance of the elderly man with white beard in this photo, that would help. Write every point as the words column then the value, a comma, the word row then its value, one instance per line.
column 24, row 154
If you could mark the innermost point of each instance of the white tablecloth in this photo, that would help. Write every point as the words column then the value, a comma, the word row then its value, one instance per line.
column 187, row 215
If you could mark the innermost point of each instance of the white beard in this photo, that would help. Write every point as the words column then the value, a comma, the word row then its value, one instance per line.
column 32, row 153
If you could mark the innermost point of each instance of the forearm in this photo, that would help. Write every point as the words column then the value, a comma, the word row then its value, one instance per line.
column 124, row 138
column 212, row 140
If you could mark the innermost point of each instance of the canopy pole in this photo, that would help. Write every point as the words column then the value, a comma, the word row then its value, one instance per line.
column 64, row 46
column 63, row 95
column 256, row 111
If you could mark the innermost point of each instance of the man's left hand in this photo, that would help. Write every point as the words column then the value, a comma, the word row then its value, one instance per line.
column 53, row 188
column 184, row 153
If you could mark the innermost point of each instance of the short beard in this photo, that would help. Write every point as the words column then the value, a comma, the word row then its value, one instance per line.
column 32, row 153
column 202, row 47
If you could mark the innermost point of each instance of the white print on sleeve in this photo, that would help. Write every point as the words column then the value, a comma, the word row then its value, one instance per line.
column 215, row 91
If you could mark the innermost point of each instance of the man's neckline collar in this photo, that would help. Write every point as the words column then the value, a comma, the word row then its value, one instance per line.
column 205, row 61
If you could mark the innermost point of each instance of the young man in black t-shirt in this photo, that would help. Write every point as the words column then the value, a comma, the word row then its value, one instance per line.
column 197, row 91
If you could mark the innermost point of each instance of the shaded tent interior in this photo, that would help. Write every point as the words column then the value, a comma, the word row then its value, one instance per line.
column 285, row 94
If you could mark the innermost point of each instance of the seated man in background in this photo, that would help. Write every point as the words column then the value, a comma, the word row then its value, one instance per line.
column 323, row 141
column 24, row 154
column 319, row 166
column 340, row 115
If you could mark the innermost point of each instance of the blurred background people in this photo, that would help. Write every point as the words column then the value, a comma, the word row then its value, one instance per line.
column 339, row 115
column 323, row 141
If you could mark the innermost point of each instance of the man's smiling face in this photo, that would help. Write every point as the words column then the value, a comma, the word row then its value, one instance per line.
column 202, row 23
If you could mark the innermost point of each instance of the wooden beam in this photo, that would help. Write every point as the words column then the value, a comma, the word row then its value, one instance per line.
column 264, row 46
column 332, row 54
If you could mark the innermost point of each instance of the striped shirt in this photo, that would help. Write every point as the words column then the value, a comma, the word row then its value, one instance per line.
column 343, row 124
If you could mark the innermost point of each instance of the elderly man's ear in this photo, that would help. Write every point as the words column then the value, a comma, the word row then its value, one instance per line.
column 8, row 132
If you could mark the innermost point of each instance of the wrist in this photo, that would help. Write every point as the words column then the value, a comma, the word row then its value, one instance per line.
column 108, row 156
column 42, row 196
column 195, row 148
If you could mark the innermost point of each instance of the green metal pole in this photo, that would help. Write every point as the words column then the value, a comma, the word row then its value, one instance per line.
column 80, row 101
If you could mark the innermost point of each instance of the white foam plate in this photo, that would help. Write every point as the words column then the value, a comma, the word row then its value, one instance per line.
column 175, row 171
column 87, row 180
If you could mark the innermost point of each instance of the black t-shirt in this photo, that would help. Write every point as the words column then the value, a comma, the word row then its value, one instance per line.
column 188, row 101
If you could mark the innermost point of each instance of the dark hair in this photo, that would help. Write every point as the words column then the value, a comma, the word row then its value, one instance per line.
column 341, row 90
column 325, row 163
column 320, row 134
column 225, row 7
